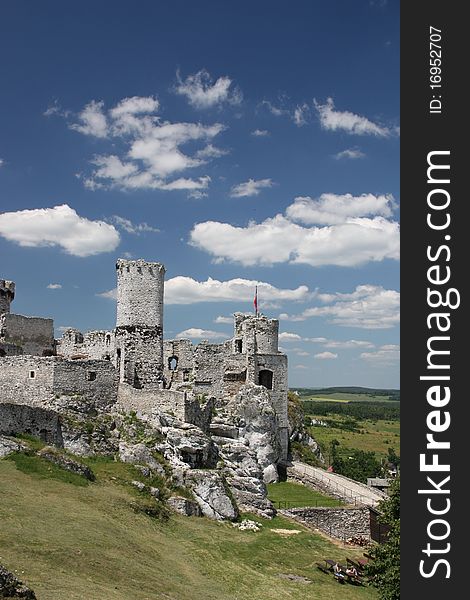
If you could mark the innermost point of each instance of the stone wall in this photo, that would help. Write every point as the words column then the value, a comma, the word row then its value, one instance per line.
column 178, row 356
column 340, row 523
column 139, row 355
column 97, row 345
column 26, row 380
column 40, row 422
column 94, row 381
column 139, row 293
column 258, row 333
column 34, row 335
column 7, row 294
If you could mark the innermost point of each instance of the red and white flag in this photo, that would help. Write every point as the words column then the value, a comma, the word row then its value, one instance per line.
column 255, row 301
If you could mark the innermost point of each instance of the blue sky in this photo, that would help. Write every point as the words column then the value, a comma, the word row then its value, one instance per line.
column 237, row 143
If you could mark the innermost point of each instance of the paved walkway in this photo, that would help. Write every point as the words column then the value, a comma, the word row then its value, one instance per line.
column 347, row 489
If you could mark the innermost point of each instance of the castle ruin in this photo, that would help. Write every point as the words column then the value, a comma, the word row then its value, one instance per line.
column 133, row 368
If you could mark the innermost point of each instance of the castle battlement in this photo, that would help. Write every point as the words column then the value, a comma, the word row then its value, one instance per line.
column 7, row 295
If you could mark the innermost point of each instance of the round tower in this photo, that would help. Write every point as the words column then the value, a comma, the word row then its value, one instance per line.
column 7, row 294
column 140, row 287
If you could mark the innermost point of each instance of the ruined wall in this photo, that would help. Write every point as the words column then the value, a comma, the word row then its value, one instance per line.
column 26, row 380
column 7, row 294
column 10, row 350
column 257, row 333
column 178, row 357
column 209, row 369
column 40, row 422
column 341, row 523
column 34, row 335
column 139, row 293
column 93, row 381
column 139, row 356
column 98, row 345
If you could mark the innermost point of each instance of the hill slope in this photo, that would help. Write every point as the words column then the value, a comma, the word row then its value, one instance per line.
column 76, row 542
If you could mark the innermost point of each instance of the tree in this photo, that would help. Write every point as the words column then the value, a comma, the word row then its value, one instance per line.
column 384, row 568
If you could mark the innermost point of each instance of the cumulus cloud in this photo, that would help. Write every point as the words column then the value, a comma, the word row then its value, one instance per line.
column 186, row 290
column 332, row 209
column 200, row 334
column 300, row 367
column 92, row 120
column 260, row 133
column 278, row 240
column 334, row 120
column 59, row 226
column 351, row 153
column 300, row 115
column 152, row 148
column 385, row 355
column 367, row 307
column 325, row 356
column 2, row 162
column 133, row 228
column 286, row 336
column 54, row 286
column 224, row 320
column 202, row 91
column 252, row 187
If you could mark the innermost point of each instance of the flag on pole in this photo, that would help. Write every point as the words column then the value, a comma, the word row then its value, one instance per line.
column 255, row 301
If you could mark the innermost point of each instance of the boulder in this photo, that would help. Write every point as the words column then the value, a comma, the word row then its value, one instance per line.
column 12, row 587
column 8, row 446
column 192, row 446
column 210, row 492
column 183, row 506
column 139, row 454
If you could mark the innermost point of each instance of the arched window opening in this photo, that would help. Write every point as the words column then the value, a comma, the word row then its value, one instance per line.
column 239, row 346
column 173, row 363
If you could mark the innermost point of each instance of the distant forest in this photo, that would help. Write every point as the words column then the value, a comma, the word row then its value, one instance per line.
column 393, row 395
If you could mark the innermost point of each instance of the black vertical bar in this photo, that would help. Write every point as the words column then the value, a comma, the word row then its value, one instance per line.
column 433, row 119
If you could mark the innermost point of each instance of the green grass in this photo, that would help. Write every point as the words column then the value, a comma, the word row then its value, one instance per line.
column 34, row 465
column 345, row 397
column 295, row 494
column 77, row 542
column 377, row 436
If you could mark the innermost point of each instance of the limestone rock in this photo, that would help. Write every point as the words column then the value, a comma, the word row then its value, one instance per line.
column 191, row 446
column 183, row 506
column 12, row 587
column 8, row 446
column 139, row 454
column 139, row 485
column 211, row 494
column 251, row 496
column 67, row 463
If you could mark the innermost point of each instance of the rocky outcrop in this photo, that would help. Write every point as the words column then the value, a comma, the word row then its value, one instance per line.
column 65, row 462
column 12, row 587
column 184, row 506
column 9, row 446
column 211, row 494
column 188, row 444
column 140, row 455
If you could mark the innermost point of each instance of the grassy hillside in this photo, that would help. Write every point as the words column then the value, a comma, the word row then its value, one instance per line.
column 86, row 541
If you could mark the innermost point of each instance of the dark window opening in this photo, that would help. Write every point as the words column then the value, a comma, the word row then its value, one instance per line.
column 265, row 378
column 2, row 352
column 32, row 374
column 47, row 353
column 185, row 375
column 108, row 339
column 238, row 345
column 91, row 376
column 173, row 363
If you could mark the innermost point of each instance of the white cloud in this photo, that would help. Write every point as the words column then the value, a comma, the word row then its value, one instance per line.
column 368, row 307
column 260, row 133
column 252, row 187
column 2, row 162
column 110, row 294
column 224, row 320
column 333, row 120
column 278, row 239
column 201, row 334
column 202, row 92
column 211, row 151
column 385, row 355
column 54, row 286
column 92, row 120
column 274, row 110
column 152, row 151
column 300, row 115
column 133, row 228
column 300, row 367
column 347, row 344
column 286, row 336
column 325, row 356
column 59, row 226
column 351, row 153
column 186, row 290
column 332, row 209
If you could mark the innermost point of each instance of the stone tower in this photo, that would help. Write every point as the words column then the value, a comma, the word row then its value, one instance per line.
column 7, row 294
column 139, row 324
